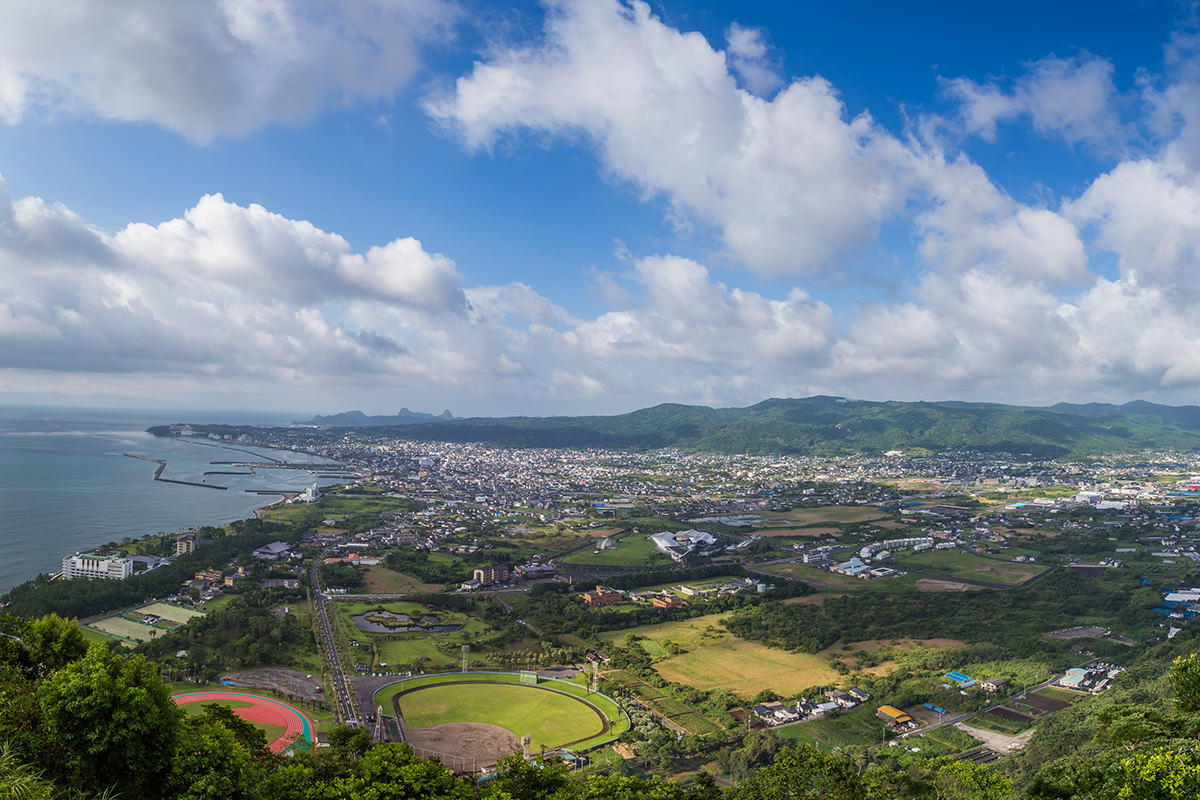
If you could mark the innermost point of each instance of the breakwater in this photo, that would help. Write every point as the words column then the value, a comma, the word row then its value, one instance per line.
column 163, row 465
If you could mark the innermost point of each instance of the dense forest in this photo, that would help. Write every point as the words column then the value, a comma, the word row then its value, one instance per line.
column 80, row 721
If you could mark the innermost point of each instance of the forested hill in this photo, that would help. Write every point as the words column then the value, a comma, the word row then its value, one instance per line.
column 834, row 425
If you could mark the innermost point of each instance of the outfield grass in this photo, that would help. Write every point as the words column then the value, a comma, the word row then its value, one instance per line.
column 502, row 681
column 716, row 659
column 968, row 566
column 549, row 718
column 629, row 550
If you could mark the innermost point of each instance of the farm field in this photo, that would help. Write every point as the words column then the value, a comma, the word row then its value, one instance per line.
column 382, row 580
column 715, row 658
column 627, row 551
column 838, row 515
column 798, row 532
column 968, row 566
column 549, row 718
column 691, row 720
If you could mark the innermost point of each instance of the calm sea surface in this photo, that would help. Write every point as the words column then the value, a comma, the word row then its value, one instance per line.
column 66, row 485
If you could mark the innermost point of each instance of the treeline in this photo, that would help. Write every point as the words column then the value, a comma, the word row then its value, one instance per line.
column 780, row 589
column 555, row 608
column 81, row 597
column 421, row 566
column 249, row 631
column 1016, row 619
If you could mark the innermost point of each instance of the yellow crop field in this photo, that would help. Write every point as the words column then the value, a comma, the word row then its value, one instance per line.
column 716, row 659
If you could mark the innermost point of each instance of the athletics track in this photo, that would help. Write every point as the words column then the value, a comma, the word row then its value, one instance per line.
column 262, row 709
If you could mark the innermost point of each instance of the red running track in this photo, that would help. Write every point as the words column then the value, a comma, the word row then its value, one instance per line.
column 261, row 709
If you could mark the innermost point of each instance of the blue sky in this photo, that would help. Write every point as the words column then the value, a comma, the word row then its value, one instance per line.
column 589, row 207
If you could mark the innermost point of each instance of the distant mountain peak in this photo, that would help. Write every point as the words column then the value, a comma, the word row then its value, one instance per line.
column 405, row 416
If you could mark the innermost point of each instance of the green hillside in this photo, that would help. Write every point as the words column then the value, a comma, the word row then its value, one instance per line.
column 833, row 426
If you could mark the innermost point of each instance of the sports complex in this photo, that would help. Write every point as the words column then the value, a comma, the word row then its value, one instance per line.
column 472, row 719
column 284, row 726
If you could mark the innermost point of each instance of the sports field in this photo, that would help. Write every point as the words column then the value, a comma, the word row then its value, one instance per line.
column 265, row 713
column 968, row 566
column 549, row 718
column 714, row 658
column 629, row 550
column 479, row 699
column 125, row 628
column 177, row 614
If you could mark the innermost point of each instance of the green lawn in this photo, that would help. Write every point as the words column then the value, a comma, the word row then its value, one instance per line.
column 627, row 551
column 408, row 647
column 855, row 727
column 549, row 718
column 968, row 566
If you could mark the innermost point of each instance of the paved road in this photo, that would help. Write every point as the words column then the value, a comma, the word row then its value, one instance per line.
column 344, row 699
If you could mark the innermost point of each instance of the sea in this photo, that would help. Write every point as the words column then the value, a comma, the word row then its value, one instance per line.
column 68, row 481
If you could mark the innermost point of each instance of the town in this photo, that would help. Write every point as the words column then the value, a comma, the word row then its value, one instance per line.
column 699, row 599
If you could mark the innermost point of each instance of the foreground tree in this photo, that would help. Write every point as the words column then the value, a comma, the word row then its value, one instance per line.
column 109, row 722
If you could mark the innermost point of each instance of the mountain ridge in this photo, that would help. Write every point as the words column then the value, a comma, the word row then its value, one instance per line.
column 829, row 425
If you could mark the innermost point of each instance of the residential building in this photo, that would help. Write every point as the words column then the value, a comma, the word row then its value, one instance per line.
column 490, row 574
column 994, row 685
column 670, row 601
column 185, row 544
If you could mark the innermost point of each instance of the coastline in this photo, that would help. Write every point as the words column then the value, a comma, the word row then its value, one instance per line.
column 65, row 493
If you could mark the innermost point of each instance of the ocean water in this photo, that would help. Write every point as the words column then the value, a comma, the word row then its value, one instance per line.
column 67, row 485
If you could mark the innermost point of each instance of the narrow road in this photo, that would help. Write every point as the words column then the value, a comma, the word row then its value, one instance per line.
column 344, row 699
column 509, row 609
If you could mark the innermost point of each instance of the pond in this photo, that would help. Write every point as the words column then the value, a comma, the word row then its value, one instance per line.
column 381, row 621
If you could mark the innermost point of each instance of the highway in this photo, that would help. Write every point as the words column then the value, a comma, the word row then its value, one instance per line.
column 344, row 700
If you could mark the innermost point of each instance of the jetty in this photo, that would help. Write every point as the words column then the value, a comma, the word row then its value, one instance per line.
column 163, row 465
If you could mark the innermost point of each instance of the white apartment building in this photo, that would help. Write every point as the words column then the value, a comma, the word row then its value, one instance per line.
column 90, row 565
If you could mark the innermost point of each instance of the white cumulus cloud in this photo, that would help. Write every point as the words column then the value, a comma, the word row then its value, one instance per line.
column 208, row 68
